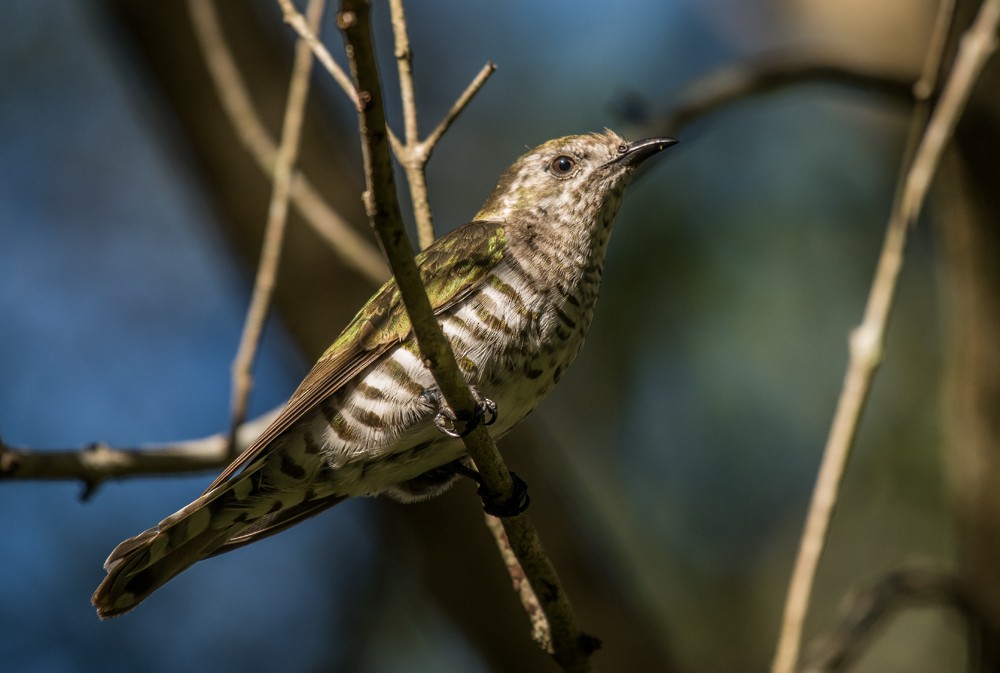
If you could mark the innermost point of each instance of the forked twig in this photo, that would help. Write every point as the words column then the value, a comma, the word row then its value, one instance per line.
column 414, row 153
column 867, row 340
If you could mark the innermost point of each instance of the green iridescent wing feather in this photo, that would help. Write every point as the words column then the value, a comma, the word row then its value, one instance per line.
column 451, row 269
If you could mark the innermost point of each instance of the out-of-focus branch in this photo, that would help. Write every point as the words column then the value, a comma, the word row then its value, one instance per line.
column 867, row 340
column 757, row 76
column 571, row 648
column 353, row 249
column 870, row 607
column 98, row 463
column 274, row 233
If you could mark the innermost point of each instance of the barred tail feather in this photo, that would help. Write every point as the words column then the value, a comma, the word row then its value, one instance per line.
column 142, row 564
column 231, row 515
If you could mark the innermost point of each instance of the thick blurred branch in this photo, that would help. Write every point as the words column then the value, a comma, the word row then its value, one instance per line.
column 571, row 648
column 867, row 340
column 870, row 607
column 352, row 248
column 274, row 234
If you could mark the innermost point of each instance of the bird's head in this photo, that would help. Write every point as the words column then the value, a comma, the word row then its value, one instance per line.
column 575, row 178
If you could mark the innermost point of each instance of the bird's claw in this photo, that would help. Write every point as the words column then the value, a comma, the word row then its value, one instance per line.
column 448, row 422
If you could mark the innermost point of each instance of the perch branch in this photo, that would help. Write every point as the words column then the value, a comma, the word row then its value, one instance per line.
column 867, row 340
column 570, row 648
column 274, row 234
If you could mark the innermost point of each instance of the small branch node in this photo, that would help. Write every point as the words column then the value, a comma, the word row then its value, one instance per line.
column 866, row 344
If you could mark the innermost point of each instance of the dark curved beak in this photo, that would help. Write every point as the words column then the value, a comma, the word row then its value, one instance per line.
column 635, row 153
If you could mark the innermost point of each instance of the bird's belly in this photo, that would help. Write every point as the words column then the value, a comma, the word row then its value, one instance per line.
column 380, row 431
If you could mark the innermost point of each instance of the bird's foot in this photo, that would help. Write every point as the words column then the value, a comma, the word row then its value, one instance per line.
column 492, row 504
column 512, row 506
column 448, row 422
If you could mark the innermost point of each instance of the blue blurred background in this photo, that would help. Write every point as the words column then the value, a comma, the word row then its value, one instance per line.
column 681, row 449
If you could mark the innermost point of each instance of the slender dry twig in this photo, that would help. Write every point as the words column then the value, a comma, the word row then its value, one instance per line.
column 571, row 648
column 867, row 340
column 98, row 463
column 307, row 31
column 274, row 234
column 415, row 153
column 353, row 249
column 870, row 607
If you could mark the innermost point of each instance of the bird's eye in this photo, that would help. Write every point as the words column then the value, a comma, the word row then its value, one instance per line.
column 622, row 149
column 563, row 165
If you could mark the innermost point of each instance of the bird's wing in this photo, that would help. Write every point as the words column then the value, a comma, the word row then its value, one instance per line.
column 272, row 524
column 450, row 269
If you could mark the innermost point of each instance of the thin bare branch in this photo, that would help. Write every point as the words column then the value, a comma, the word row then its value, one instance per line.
column 571, row 648
column 404, row 64
column 274, row 234
column 415, row 153
column 354, row 250
column 470, row 91
column 95, row 464
column 868, row 339
column 307, row 31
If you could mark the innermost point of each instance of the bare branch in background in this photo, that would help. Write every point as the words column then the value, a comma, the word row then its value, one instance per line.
column 571, row 648
column 98, row 463
column 274, row 234
column 757, row 76
column 868, row 339
column 354, row 249
column 870, row 607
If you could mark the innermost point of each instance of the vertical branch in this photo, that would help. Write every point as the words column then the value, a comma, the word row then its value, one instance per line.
column 867, row 340
column 413, row 163
column 570, row 647
column 277, row 217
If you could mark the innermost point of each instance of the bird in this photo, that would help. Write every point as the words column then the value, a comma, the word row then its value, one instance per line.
column 514, row 292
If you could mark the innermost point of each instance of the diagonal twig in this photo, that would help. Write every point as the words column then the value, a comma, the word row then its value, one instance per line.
column 571, row 648
column 867, row 340
column 351, row 247
column 274, row 234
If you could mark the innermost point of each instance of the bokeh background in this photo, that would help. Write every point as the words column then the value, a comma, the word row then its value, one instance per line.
column 671, row 470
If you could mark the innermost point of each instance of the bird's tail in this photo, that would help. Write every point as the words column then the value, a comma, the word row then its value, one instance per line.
column 231, row 515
